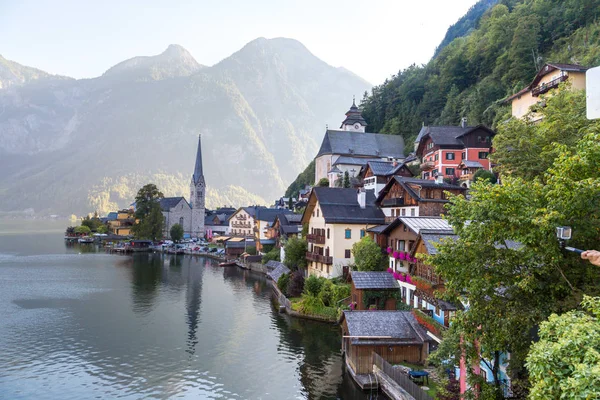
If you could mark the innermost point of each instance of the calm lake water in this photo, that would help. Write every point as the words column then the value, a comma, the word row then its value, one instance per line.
column 80, row 324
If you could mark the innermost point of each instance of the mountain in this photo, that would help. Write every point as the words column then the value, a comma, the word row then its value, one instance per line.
column 75, row 146
column 12, row 74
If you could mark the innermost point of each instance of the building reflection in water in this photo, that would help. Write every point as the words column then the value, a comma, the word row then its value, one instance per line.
column 193, row 303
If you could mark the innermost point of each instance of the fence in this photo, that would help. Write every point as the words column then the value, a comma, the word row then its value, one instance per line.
column 400, row 378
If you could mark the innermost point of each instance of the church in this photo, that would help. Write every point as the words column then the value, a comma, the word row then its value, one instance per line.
column 177, row 210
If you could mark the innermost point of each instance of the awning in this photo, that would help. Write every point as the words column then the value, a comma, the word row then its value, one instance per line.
column 221, row 238
column 236, row 239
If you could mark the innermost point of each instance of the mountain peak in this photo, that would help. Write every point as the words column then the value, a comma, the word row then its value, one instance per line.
column 173, row 62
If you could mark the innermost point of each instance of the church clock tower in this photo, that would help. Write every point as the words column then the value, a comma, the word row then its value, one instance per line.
column 354, row 121
column 198, row 194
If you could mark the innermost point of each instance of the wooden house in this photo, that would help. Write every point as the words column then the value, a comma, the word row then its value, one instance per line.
column 376, row 174
column 395, row 335
column 373, row 289
column 414, row 197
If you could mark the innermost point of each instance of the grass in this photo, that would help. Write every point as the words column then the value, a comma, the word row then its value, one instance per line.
column 432, row 385
column 299, row 306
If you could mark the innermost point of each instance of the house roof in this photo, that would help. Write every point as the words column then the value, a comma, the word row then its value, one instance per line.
column 430, row 239
column 377, row 229
column 384, row 327
column 112, row 216
column 419, row 224
column 269, row 214
column 545, row 70
column 448, row 135
column 362, row 144
column 278, row 270
column 340, row 205
column 374, row 280
column 167, row 203
column 347, row 160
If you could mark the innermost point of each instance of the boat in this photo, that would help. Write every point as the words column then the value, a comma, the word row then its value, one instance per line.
column 228, row 264
column 85, row 239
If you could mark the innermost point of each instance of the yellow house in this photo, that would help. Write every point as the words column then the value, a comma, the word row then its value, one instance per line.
column 548, row 78
column 121, row 222
column 337, row 218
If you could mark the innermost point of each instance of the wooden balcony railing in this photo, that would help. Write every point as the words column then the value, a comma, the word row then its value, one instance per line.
column 427, row 166
column 316, row 239
column 246, row 225
column 396, row 202
column 544, row 87
column 466, row 177
column 319, row 258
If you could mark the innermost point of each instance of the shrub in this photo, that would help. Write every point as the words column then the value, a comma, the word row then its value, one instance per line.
column 251, row 250
column 83, row 229
column 368, row 255
column 326, row 293
column 485, row 175
column 272, row 255
column 340, row 292
column 312, row 285
column 295, row 253
column 296, row 285
column 283, row 282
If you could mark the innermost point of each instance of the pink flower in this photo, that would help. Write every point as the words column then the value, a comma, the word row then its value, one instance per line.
column 390, row 270
column 402, row 255
column 389, row 250
column 408, row 280
column 396, row 255
column 402, row 278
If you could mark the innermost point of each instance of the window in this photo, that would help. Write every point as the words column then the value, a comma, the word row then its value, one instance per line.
column 436, row 157
column 483, row 155
column 403, row 212
column 449, row 171
column 449, row 156
column 327, row 233
column 347, row 253
column 317, row 212
column 412, row 212
column 181, row 221
column 463, row 155
column 362, row 233
column 348, row 234
column 426, row 175
column 401, row 244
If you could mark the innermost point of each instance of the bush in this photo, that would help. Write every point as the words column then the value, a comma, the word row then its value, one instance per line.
column 296, row 285
column 340, row 292
column 368, row 255
column 267, row 248
column 326, row 293
column 323, row 182
column 283, row 282
column 272, row 255
column 295, row 253
column 485, row 175
column 83, row 229
column 312, row 285
column 176, row 233
column 251, row 250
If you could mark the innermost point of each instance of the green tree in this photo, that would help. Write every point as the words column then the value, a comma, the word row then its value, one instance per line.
column 283, row 282
column 506, row 262
column 176, row 233
column 346, row 183
column 368, row 255
column 313, row 285
column 295, row 253
column 83, row 229
column 148, row 212
column 251, row 250
column 273, row 254
column 565, row 363
column 484, row 175
column 323, row 182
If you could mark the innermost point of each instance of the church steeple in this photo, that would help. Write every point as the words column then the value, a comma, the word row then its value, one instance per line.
column 354, row 120
column 198, row 168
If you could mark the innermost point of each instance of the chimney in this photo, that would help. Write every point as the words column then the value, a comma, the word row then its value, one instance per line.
column 362, row 197
column 395, row 163
column 463, row 122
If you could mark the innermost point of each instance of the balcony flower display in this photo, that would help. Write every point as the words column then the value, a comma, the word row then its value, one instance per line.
column 408, row 280
column 397, row 276
column 396, row 255
column 389, row 250
column 402, row 255
column 389, row 270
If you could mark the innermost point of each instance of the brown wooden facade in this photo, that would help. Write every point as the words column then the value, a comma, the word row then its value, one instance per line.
column 357, row 296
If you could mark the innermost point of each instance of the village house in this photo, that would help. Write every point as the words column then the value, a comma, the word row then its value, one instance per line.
column 349, row 149
column 337, row 218
column 414, row 197
column 376, row 174
column 283, row 227
column 396, row 336
column 216, row 222
column 549, row 77
column 443, row 148
column 121, row 222
column 263, row 220
column 236, row 246
column 241, row 222
column 374, row 290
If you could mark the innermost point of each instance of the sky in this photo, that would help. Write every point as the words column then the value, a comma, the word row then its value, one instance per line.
column 82, row 39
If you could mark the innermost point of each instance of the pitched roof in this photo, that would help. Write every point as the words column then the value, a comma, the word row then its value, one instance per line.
column 423, row 183
column 353, row 160
column 362, row 144
column 340, row 205
column 471, row 164
column 278, row 270
column 545, row 70
column 269, row 214
column 417, row 224
column 167, row 203
column 400, row 326
column 378, row 228
column 374, row 280
column 430, row 239
column 112, row 216
column 198, row 174
column 354, row 115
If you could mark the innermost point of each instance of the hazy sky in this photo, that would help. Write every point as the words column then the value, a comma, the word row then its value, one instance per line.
column 83, row 39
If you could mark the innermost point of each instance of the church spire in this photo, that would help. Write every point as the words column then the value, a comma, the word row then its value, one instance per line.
column 198, row 174
column 354, row 120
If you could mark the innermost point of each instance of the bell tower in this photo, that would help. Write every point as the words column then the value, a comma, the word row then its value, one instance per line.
column 197, row 195
column 354, row 121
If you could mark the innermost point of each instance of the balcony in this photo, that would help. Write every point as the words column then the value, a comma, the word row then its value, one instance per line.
column 466, row 177
column 544, row 87
column 315, row 239
column 397, row 202
column 244, row 225
column 427, row 166
column 319, row 258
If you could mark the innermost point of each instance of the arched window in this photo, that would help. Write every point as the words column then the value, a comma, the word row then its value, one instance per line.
column 181, row 221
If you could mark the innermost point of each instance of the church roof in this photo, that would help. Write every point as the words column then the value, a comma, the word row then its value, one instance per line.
column 167, row 203
column 362, row 144
column 198, row 173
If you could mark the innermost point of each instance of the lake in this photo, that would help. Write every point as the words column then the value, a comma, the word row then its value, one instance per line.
column 77, row 323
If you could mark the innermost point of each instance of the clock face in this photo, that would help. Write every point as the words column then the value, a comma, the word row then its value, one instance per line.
column 356, row 126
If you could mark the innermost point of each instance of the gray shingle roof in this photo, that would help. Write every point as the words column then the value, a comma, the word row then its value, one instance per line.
column 374, row 280
column 340, row 205
column 278, row 270
column 169, row 202
column 269, row 214
column 430, row 239
column 416, row 224
column 378, row 228
column 471, row 164
column 362, row 161
column 362, row 144
column 400, row 326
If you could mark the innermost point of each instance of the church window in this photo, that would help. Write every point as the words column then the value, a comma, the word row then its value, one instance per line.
column 181, row 221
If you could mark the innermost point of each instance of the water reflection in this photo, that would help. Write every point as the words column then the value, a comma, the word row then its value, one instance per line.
column 156, row 326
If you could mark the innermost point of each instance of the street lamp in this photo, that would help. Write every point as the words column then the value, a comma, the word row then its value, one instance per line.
column 564, row 233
